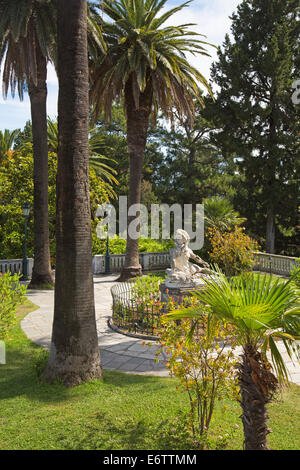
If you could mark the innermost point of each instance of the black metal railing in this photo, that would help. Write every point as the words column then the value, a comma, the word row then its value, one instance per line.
column 132, row 315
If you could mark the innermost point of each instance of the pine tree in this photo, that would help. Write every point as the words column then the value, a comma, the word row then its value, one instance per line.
column 259, row 122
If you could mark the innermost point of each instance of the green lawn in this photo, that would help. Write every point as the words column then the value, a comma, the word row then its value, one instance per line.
column 119, row 412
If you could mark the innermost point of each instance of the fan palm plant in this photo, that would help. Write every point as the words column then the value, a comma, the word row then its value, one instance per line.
column 144, row 63
column 220, row 214
column 262, row 310
column 27, row 32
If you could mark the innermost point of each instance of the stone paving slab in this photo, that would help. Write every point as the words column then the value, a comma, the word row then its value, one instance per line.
column 118, row 352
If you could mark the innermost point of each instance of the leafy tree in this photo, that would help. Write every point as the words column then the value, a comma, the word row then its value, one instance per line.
column 16, row 187
column 74, row 354
column 27, row 31
column 257, row 121
column 183, row 164
column 262, row 310
column 24, row 136
column 146, row 64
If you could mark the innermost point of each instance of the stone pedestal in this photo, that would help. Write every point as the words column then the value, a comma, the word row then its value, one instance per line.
column 177, row 293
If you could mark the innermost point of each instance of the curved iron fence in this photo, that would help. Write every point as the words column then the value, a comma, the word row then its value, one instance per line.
column 131, row 315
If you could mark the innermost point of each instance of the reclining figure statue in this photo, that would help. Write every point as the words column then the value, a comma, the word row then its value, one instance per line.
column 182, row 272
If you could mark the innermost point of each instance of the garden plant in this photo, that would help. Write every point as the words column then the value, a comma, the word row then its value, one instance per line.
column 262, row 310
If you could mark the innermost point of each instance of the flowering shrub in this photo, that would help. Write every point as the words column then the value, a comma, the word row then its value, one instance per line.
column 11, row 294
column 204, row 366
column 232, row 250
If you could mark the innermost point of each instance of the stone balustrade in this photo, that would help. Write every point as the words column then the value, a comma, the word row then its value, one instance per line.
column 264, row 262
column 275, row 264
column 15, row 266
column 148, row 261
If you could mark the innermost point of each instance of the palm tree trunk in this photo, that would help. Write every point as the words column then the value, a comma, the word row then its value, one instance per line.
column 42, row 273
column 74, row 356
column 137, row 128
column 255, row 380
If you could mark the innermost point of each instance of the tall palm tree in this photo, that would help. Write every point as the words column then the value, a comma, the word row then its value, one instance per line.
column 261, row 310
column 144, row 63
column 7, row 139
column 74, row 356
column 219, row 213
column 27, row 32
column 96, row 143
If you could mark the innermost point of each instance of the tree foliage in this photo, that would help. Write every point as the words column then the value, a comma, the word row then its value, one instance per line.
column 257, row 121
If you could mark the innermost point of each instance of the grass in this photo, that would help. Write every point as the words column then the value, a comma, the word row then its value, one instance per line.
column 121, row 411
column 44, row 286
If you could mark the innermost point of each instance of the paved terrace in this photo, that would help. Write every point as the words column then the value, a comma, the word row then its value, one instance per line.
column 118, row 352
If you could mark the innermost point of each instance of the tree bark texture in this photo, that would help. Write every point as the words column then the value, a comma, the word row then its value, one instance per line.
column 74, row 356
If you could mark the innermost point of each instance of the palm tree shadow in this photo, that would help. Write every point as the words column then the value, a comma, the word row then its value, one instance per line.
column 128, row 435
column 21, row 379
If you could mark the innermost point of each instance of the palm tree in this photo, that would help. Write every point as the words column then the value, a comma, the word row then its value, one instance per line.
column 7, row 139
column 27, row 31
column 220, row 214
column 74, row 356
column 96, row 143
column 146, row 65
column 261, row 310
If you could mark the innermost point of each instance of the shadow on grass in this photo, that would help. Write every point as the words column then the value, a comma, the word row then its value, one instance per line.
column 18, row 377
column 129, row 434
column 123, row 380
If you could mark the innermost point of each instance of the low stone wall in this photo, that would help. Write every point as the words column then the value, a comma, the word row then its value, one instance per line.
column 15, row 266
column 264, row 262
column 149, row 262
column 275, row 264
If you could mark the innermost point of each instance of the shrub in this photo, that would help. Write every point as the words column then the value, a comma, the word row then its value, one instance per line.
column 146, row 289
column 233, row 250
column 204, row 366
column 117, row 245
column 12, row 293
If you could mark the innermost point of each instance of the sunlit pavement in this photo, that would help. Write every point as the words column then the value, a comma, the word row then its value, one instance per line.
column 118, row 352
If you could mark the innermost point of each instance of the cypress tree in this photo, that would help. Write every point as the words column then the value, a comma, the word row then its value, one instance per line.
column 258, row 121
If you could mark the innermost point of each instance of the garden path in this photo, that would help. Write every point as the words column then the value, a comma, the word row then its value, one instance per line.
column 118, row 352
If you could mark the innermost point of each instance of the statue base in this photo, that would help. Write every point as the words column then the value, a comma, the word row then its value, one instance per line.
column 177, row 292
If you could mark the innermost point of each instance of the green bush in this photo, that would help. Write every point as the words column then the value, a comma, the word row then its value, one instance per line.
column 12, row 293
column 16, row 187
column 146, row 289
column 204, row 366
column 233, row 251
column 117, row 246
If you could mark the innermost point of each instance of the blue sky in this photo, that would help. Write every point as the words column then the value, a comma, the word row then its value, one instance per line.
column 211, row 18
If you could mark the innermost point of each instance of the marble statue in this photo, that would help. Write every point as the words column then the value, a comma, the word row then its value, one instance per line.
column 182, row 272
